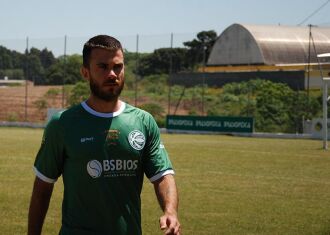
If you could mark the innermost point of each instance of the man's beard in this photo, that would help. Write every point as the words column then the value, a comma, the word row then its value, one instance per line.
column 103, row 95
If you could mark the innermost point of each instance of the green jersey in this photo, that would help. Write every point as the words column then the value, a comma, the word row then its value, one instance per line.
column 102, row 158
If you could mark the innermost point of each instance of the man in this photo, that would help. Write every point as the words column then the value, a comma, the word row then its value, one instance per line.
column 102, row 148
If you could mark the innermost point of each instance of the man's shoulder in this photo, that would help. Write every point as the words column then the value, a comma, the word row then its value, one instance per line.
column 141, row 116
column 66, row 114
column 130, row 109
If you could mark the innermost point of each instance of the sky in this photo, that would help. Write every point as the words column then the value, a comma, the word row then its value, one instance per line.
column 46, row 23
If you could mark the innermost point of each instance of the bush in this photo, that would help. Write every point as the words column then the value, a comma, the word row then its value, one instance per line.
column 41, row 104
column 79, row 92
column 156, row 111
column 274, row 106
column 12, row 117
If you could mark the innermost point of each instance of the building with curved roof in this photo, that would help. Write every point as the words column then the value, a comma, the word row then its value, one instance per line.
column 243, row 44
column 285, row 54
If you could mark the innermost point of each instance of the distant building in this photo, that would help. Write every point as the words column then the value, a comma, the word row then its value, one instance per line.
column 9, row 82
column 277, row 53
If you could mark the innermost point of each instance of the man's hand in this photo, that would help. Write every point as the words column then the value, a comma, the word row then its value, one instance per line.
column 168, row 199
column 169, row 223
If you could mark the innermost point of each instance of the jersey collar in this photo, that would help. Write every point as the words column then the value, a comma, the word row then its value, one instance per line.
column 104, row 115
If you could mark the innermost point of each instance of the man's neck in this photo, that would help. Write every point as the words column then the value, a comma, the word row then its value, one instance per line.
column 103, row 106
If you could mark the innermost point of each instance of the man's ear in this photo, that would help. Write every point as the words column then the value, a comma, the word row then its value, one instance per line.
column 84, row 73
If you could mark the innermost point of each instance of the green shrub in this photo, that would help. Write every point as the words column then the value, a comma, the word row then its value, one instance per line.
column 12, row 117
column 157, row 111
column 79, row 92
column 41, row 104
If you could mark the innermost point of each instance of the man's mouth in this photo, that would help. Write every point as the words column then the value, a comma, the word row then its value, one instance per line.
column 111, row 83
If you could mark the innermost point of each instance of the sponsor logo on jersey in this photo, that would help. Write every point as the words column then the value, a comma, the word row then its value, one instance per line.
column 120, row 165
column 136, row 139
column 94, row 168
column 112, row 168
column 86, row 139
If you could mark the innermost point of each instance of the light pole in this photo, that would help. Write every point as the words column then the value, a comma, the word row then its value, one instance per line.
column 325, row 81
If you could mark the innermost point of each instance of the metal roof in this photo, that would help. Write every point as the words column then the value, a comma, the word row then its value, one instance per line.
column 242, row 44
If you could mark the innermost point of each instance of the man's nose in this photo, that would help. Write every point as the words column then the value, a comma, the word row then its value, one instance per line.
column 112, row 74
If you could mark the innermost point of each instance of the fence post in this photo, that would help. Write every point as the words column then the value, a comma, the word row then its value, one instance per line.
column 169, row 77
column 136, row 68
column 26, row 80
column 64, row 71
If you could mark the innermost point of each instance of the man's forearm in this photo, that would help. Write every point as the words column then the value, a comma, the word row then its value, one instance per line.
column 38, row 206
column 167, row 194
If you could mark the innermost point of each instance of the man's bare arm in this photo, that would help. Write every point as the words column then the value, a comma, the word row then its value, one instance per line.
column 167, row 195
column 41, row 194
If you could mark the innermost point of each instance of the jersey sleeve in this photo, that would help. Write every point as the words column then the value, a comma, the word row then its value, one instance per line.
column 48, row 165
column 156, row 161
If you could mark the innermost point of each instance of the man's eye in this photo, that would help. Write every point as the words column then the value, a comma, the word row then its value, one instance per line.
column 117, row 67
column 102, row 66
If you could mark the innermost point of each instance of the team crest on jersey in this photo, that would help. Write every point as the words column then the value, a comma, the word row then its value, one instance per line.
column 113, row 137
column 136, row 139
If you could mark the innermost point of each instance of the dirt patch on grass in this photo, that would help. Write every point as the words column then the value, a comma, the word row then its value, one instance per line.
column 29, row 103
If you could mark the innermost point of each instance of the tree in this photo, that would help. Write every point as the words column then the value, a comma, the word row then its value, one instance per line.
column 65, row 70
column 72, row 67
column 200, row 47
column 274, row 106
column 11, row 64
column 17, row 60
column 159, row 62
column 47, row 58
column 5, row 58
column 302, row 108
column 33, row 69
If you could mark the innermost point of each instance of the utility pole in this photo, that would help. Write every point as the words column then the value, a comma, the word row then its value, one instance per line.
column 325, row 100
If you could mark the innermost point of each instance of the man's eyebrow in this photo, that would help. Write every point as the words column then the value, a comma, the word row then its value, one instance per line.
column 102, row 64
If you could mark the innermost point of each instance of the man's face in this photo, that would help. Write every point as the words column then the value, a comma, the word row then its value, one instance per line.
column 105, row 73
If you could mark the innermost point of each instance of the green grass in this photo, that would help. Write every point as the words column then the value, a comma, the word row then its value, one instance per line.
column 227, row 185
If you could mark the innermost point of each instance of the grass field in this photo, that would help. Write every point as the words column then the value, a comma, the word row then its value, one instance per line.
column 227, row 185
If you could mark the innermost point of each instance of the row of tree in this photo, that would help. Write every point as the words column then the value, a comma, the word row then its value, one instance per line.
column 41, row 66
column 173, row 60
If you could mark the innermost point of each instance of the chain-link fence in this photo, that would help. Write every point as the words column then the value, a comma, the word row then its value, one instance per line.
column 152, row 65
column 25, row 91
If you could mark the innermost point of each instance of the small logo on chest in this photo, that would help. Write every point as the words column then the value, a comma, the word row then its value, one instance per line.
column 86, row 139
